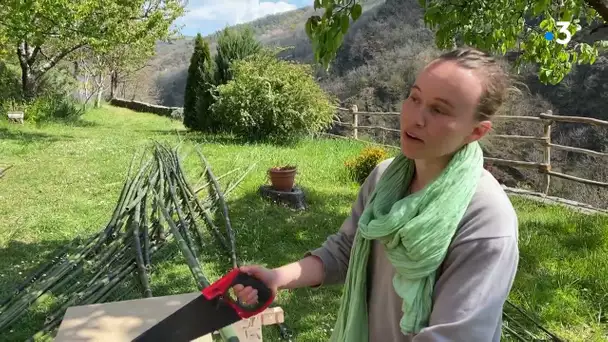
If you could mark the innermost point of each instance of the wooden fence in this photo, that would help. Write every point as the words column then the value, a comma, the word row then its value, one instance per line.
column 546, row 119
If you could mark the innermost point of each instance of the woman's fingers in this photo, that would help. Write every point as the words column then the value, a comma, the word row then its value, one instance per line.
column 246, row 295
column 252, row 297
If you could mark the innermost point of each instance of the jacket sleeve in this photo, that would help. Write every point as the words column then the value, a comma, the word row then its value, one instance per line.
column 335, row 251
column 471, row 291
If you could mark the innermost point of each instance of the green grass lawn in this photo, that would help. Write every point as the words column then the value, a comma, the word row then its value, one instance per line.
column 66, row 179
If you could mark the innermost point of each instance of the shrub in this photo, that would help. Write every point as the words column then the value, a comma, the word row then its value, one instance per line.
column 10, row 87
column 56, row 82
column 273, row 100
column 178, row 114
column 52, row 107
column 361, row 166
column 54, row 95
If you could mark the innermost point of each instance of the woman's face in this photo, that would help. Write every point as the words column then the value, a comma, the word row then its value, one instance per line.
column 438, row 117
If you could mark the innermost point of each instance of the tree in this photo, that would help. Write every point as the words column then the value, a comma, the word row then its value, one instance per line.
column 92, row 67
column 197, row 94
column 498, row 26
column 233, row 45
column 123, row 61
column 43, row 33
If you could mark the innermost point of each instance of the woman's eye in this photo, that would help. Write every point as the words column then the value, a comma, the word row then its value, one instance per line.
column 437, row 110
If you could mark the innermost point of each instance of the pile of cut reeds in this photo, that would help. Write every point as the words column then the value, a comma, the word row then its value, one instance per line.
column 157, row 206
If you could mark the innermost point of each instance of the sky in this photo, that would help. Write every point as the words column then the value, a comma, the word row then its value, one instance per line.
column 208, row 16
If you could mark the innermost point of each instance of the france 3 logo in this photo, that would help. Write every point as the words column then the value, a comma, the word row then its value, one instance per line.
column 563, row 28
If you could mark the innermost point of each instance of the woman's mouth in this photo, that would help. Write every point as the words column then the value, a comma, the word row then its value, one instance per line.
column 412, row 137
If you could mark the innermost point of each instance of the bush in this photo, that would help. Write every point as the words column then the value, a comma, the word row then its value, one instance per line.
column 10, row 87
column 360, row 167
column 178, row 114
column 56, row 82
column 52, row 107
column 272, row 100
column 53, row 100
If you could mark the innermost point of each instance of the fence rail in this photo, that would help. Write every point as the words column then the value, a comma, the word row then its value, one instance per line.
column 546, row 119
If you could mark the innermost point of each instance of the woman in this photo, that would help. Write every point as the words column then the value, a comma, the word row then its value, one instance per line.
column 429, row 252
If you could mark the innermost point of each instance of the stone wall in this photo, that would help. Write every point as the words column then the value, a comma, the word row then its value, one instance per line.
column 172, row 112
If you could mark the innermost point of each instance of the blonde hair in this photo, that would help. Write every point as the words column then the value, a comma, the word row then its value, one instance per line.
column 497, row 81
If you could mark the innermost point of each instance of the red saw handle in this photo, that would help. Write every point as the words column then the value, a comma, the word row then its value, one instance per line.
column 234, row 277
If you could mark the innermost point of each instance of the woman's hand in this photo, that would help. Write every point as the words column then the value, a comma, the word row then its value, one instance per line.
column 302, row 273
column 248, row 295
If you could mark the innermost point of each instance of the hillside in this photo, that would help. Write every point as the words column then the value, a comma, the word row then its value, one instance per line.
column 163, row 80
column 377, row 64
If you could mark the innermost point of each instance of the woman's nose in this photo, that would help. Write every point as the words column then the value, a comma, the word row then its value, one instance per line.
column 418, row 117
column 413, row 114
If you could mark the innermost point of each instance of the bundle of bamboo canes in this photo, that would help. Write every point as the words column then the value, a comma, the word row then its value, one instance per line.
column 157, row 206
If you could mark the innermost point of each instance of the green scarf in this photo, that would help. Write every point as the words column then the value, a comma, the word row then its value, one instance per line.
column 416, row 231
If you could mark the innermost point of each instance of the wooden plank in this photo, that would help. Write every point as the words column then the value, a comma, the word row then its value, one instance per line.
column 576, row 119
column 537, row 196
column 122, row 321
column 16, row 117
column 516, row 163
column 517, row 118
column 580, row 150
column 516, row 137
column 540, row 118
column 354, row 111
column 250, row 330
column 499, row 117
column 578, row 179
column 346, row 124
column 341, row 109
column 380, row 128
column 547, row 155
column 380, row 113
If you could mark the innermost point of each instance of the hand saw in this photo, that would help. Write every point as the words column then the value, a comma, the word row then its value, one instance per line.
column 212, row 310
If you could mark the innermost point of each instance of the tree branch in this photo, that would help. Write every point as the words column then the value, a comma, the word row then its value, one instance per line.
column 32, row 58
column 55, row 59
column 22, row 54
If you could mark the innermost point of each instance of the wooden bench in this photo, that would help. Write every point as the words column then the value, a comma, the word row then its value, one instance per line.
column 124, row 320
column 16, row 117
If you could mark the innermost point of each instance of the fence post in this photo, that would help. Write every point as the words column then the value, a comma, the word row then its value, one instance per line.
column 354, row 110
column 547, row 152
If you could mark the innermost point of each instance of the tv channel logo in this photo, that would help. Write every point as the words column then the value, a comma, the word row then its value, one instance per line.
column 563, row 28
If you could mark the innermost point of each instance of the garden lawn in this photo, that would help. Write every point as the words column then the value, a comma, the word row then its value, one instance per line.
column 65, row 182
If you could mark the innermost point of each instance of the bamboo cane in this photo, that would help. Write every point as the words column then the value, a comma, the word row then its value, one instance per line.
column 228, row 332
column 217, row 190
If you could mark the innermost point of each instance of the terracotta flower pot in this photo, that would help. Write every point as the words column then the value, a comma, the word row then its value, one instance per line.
column 282, row 178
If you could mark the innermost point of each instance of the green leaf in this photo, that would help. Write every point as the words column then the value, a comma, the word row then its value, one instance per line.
column 344, row 21
column 546, row 24
column 540, row 6
column 356, row 11
column 308, row 28
column 337, row 41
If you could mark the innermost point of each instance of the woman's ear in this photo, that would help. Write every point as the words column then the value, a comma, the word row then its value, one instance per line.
column 479, row 131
